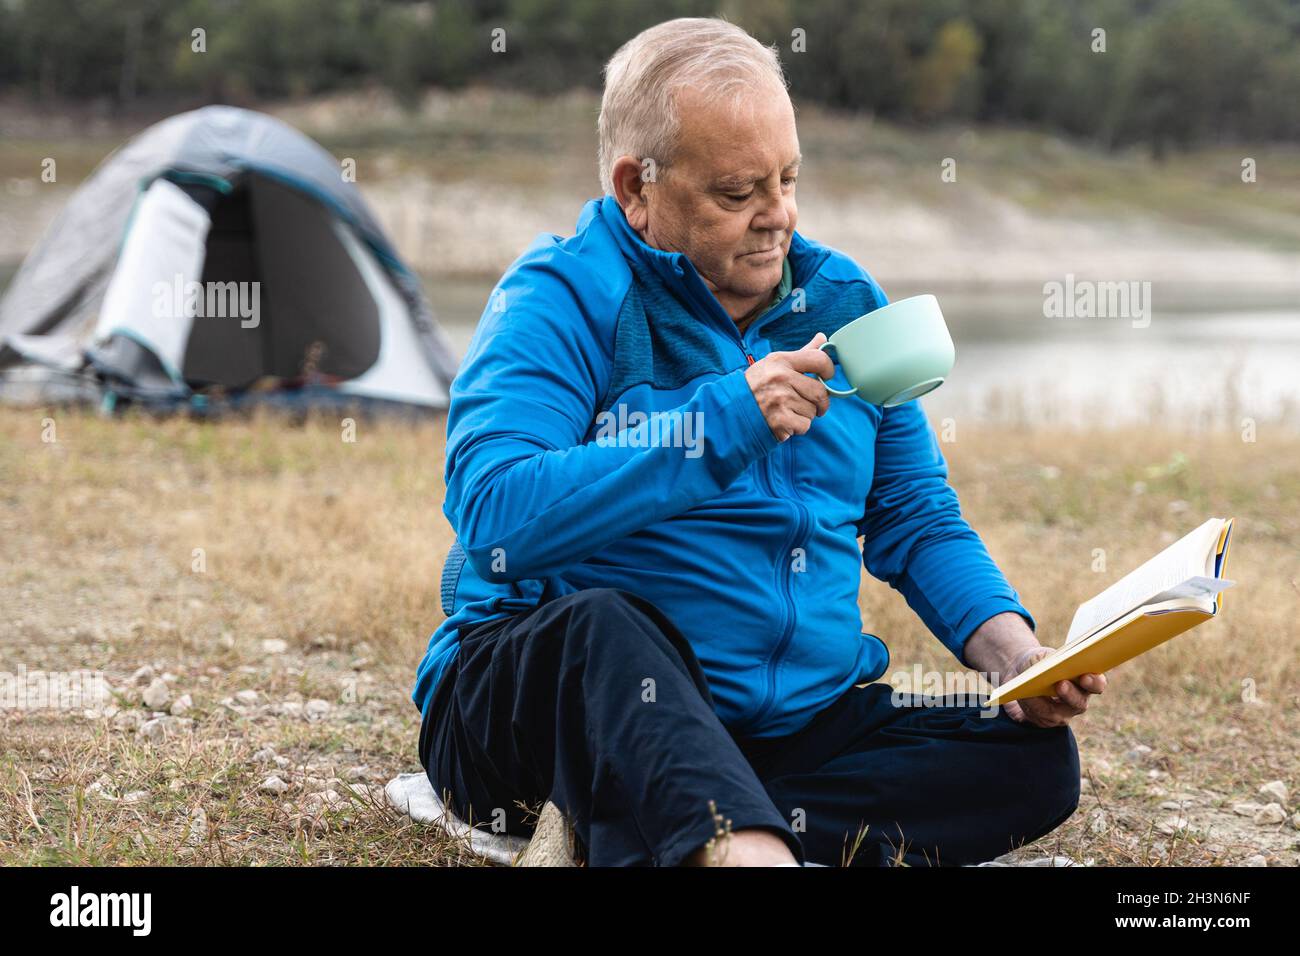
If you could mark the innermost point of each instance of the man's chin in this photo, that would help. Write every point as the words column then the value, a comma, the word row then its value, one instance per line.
column 756, row 278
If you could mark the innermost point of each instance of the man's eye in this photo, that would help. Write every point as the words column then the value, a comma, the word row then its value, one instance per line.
column 788, row 182
column 737, row 197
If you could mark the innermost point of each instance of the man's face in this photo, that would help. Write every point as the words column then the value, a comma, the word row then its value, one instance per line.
column 727, row 201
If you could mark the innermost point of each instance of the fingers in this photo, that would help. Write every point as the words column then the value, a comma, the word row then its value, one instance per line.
column 812, row 391
column 1093, row 683
column 797, row 415
column 1043, row 712
column 811, row 358
column 1068, row 699
column 789, row 398
column 1071, row 697
column 1055, row 711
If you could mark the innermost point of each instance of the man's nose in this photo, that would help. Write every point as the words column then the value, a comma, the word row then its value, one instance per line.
column 773, row 216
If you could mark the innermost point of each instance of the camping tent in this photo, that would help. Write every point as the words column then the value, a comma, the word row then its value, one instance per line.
column 219, row 255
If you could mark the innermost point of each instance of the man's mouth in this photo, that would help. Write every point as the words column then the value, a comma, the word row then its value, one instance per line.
column 762, row 254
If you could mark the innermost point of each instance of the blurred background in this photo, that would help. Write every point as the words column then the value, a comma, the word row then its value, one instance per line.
column 258, row 591
column 980, row 149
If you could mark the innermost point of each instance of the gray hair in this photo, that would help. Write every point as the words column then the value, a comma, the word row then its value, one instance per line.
column 638, row 112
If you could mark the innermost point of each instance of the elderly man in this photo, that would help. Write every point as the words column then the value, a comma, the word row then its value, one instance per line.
column 655, row 629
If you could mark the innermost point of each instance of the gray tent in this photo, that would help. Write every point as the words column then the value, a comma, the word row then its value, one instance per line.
column 219, row 254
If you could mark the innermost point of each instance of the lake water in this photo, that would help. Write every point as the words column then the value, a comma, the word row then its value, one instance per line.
column 1209, row 358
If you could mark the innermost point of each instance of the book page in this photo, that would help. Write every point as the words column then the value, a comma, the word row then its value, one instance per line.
column 1200, row 587
column 1184, row 559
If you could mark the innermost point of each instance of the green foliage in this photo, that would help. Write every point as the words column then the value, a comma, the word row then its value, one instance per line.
column 1172, row 73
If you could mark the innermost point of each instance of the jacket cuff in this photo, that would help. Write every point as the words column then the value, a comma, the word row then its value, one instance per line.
column 976, row 616
column 759, row 438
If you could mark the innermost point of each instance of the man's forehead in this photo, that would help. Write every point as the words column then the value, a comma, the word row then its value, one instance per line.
column 738, row 143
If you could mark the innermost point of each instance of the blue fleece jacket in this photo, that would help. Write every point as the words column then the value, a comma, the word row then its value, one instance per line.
column 601, row 434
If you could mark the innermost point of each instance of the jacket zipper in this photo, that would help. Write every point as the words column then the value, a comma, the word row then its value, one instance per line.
column 743, row 341
column 786, row 583
column 787, row 598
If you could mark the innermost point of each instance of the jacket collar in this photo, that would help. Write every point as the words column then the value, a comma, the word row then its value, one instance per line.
column 674, row 269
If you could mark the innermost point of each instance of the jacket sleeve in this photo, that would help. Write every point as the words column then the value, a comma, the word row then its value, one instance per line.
column 916, row 540
column 527, row 494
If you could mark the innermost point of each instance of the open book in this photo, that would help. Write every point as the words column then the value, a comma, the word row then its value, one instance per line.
column 1173, row 592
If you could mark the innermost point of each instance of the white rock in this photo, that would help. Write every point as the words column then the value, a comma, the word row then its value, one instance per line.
column 264, row 756
column 99, row 789
column 324, row 798
column 1098, row 822
column 316, row 708
column 143, row 675
column 128, row 720
column 1138, row 754
column 160, row 727
column 1295, row 820
column 247, row 697
column 1276, row 791
column 357, row 773
column 1246, row 808
column 198, row 824
column 273, row 784
column 181, row 705
column 1259, row 859
column 1174, row 824
column 136, row 796
column 366, row 792
column 273, row 645
column 1270, row 813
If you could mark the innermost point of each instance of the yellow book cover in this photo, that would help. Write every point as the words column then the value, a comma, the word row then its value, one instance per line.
column 1123, row 635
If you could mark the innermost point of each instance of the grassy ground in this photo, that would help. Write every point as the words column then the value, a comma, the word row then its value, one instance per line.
column 296, row 628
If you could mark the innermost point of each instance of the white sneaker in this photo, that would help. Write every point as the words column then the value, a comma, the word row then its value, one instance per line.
column 1041, row 861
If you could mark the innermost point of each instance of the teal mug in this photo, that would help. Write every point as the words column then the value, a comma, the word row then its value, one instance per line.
column 894, row 354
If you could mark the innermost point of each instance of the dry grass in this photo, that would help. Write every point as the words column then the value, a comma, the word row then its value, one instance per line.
column 335, row 547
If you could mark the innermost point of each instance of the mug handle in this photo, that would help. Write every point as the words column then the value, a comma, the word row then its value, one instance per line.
column 834, row 391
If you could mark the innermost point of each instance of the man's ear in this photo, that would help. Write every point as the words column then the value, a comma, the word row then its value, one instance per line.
column 630, row 188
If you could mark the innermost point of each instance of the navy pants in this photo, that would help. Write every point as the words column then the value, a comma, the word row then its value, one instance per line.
column 597, row 702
